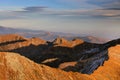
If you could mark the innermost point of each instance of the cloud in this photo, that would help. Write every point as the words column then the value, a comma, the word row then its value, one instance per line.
column 114, row 4
column 107, row 13
column 82, row 4
column 96, row 8
column 33, row 9
column 38, row 8
column 97, row 13
column 106, row 4
column 36, row 11
column 21, row 12
column 9, row 15
column 112, row 9
column 83, row 8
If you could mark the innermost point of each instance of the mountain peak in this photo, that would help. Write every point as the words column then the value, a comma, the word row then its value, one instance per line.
column 60, row 40
column 66, row 43
column 37, row 41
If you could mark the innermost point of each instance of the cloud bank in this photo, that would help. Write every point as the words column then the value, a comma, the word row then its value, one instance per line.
column 40, row 10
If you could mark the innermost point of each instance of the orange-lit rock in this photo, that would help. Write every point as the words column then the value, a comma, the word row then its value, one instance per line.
column 16, row 67
column 65, row 43
column 20, row 44
column 11, row 37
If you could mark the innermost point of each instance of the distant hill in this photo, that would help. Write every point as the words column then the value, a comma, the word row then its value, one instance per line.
column 49, row 36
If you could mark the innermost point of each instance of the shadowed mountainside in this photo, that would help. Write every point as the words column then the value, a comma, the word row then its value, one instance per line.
column 76, row 55
column 16, row 67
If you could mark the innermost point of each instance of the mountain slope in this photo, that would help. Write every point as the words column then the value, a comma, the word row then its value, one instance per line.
column 78, row 55
column 16, row 67
column 111, row 68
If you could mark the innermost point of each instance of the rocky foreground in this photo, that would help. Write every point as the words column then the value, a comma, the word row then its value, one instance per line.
column 17, row 67
column 65, row 60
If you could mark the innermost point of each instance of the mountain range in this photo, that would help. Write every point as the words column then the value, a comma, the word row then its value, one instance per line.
column 49, row 36
column 37, row 59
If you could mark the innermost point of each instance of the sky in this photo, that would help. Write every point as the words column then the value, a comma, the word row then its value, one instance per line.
column 99, row 18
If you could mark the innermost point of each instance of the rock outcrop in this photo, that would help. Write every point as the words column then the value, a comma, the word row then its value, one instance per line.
column 65, row 43
column 11, row 38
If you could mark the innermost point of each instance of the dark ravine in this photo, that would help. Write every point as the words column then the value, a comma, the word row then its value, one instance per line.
column 88, row 66
column 88, row 56
column 94, row 57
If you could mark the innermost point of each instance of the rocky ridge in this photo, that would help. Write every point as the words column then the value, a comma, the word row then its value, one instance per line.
column 16, row 67
column 76, row 55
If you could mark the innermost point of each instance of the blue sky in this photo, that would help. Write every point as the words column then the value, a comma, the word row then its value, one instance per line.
column 99, row 18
